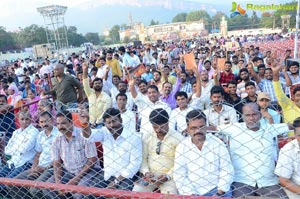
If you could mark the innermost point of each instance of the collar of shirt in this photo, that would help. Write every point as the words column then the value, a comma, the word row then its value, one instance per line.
column 222, row 110
column 52, row 133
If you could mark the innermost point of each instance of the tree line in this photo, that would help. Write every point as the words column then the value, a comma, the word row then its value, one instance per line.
column 35, row 34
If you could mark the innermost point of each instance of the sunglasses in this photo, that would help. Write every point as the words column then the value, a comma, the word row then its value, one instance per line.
column 158, row 148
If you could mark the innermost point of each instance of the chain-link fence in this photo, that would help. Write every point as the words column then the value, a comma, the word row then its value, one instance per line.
column 62, row 154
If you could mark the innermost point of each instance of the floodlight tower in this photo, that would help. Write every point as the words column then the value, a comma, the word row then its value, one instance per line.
column 55, row 25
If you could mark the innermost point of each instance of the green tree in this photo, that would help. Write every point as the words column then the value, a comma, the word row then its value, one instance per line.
column 266, row 21
column 254, row 20
column 216, row 19
column 126, row 40
column 152, row 22
column 180, row 17
column 92, row 37
column 74, row 38
column 114, row 34
column 200, row 15
column 6, row 40
column 292, row 13
column 238, row 22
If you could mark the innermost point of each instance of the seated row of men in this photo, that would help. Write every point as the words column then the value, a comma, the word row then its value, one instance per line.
column 199, row 164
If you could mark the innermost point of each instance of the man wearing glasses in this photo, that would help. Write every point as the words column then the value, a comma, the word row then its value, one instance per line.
column 202, row 163
column 158, row 156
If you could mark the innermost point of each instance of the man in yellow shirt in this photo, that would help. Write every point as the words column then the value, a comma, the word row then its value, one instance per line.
column 98, row 101
column 158, row 156
column 113, row 64
column 290, row 108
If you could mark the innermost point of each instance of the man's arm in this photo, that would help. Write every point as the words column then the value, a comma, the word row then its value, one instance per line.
column 87, row 167
column 57, row 166
column 85, row 81
column 198, row 83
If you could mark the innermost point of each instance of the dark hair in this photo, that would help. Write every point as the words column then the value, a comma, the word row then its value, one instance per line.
column 250, row 83
column 217, row 90
column 232, row 82
column 3, row 96
column 261, row 66
column 66, row 114
column 296, row 122
column 111, row 112
column 269, row 69
column 228, row 62
column 296, row 90
column 244, row 70
column 255, row 59
column 166, row 82
column 121, row 95
column 142, row 82
column 110, row 51
column 180, row 94
column 207, row 61
column 156, row 71
column 294, row 63
column 97, row 79
column 46, row 113
column 94, row 69
column 117, row 76
column 195, row 114
column 102, row 58
column 159, row 116
column 153, row 87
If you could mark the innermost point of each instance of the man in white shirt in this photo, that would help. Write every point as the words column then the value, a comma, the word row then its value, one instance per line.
column 20, row 147
column 251, row 148
column 128, row 117
column 202, row 162
column 105, row 74
column 145, row 106
column 177, row 117
column 219, row 113
column 122, row 152
column 40, row 170
column 288, row 165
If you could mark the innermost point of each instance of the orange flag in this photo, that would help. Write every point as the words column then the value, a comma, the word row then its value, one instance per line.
column 190, row 62
column 221, row 63
column 138, row 71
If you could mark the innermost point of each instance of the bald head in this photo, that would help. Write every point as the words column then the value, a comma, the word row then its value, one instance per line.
column 58, row 70
column 252, row 116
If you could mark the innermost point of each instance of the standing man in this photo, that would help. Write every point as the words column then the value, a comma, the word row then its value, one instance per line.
column 66, row 88
column 202, row 162
column 113, row 64
column 73, row 156
column 158, row 156
column 98, row 101
column 42, row 164
column 252, row 149
column 226, row 75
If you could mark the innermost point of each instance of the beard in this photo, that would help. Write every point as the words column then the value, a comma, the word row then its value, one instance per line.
column 98, row 89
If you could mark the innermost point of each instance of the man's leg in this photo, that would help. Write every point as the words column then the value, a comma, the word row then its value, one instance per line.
column 38, row 193
column 85, row 181
column 241, row 189
column 275, row 191
column 19, row 192
column 126, row 184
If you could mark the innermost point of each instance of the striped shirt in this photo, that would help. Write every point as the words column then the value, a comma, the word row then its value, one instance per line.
column 74, row 153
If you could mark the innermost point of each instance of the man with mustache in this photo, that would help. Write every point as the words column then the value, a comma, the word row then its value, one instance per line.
column 202, row 163
column 74, row 157
column 40, row 170
column 99, row 101
column 251, row 149
column 219, row 113
column 158, row 156
column 122, row 151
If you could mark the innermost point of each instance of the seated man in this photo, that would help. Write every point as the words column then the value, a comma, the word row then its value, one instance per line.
column 252, row 149
column 74, row 157
column 202, row 162
column 40, row 170
column 288, row 165
column 158, row 156
column 20, row 148
column 122, row 152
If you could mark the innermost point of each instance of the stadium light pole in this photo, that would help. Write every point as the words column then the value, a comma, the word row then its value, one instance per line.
column 297, row 29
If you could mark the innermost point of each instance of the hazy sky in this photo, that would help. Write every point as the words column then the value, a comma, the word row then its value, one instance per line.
column 95, row 15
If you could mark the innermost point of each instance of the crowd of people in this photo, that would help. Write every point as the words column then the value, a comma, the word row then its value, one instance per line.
column 143, row 118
